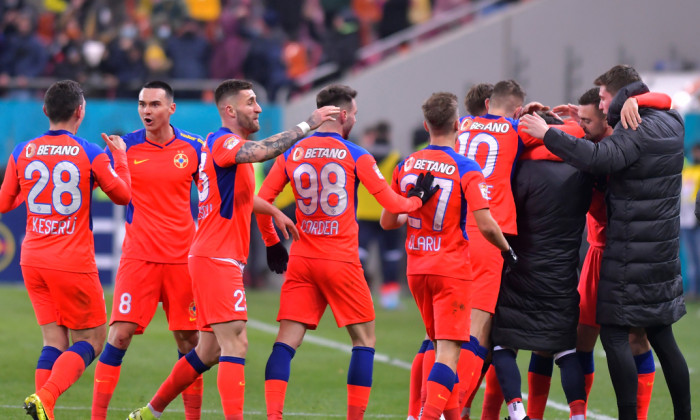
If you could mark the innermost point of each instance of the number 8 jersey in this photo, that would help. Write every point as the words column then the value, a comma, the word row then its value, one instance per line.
column 55, row 175
column 436, row 240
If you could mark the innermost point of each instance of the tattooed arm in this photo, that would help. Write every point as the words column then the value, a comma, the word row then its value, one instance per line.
column 259, row 151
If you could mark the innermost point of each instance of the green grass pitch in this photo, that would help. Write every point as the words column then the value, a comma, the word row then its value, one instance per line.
column 317, row 386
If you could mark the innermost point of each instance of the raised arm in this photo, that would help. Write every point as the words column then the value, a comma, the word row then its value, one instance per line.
column 115, row 183
column 260, row 151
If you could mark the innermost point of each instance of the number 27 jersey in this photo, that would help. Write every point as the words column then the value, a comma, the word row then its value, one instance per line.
column 436, row 239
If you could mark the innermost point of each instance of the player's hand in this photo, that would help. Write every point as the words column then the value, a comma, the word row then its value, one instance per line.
column 567, row 110
column 534, row 125
column 277, row 258
column 114, row 142
column 629, row 116
column 285, row 225
column 510, row 258
column 532, row 107
column 321, row 115
column 424, row 188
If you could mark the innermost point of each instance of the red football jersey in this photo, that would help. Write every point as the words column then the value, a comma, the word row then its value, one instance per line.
column 55, row 175
column 597, row 219
column 159, row 223
column 325, row 170
column 226, row 192
column 494, row 144
column 436, row 240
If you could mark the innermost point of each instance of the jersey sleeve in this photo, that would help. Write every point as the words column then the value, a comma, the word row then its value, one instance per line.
column 389, row 198
column 225, row 150
column 369, row 174
column 655, row 100
column 116, row 183
column 395, row 180
column 274, row 183
column 10, row 196
column 528, row 140
column 473, row 184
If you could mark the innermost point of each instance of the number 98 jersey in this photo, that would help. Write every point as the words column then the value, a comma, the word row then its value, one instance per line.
column 436, row 240
column 493, row 142
column 324, row 170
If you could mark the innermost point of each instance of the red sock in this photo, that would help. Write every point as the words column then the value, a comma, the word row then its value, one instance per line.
column 435, row 403
column 576, row 408
column 182, row 376
column 106, row 378
column 67, row 369
column 452, row 408
column 231, row 383
column 469, row 372
column 538, row 390
column 428, row 362
column 275, row 391
column 414, row 397
column 192, row 399
column 645, row 385
column 358, row 397
column 40, row 378
column 588, row 378
column 468, row 405
column 493, row 397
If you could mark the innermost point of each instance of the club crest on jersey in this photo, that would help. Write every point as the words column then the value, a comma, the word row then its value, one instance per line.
column 466, row 124
column 298, row 154
column 408, row 164
column 193, row 312
column 181, row 160
column 231, row 142
column 30, row 151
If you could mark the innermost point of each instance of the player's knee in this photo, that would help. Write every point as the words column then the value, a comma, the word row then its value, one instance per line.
column 120, row 334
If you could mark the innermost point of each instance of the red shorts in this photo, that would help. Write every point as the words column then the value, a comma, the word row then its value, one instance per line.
column 487, row 267
column 312, row 284
column 73, row 300
column 140, row 285
column 444, row 304
column 218, row 291
column 588, row 286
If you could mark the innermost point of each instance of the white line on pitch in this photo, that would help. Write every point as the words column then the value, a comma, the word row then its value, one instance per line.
column 383, row 358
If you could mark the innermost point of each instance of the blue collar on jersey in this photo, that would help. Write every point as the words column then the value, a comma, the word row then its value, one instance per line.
column 436, row 147
column 326, row 134
column 58, row 133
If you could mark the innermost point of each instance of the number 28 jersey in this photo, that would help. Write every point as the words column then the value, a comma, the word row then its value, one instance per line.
column 436, row 239
column 55, row 174
column 493, row 142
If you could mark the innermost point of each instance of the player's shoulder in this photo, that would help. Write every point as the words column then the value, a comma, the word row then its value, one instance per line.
column 134, row 138
column 449, row 156
column 91, row 149
column 194, row 140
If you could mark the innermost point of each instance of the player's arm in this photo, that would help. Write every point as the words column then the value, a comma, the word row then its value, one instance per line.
column 259, row 151
column 389, row 220
column 284, row 223
column 629, row 115
column 115, row 183
column 10, row 196
column 612, row 154
column 274, row 183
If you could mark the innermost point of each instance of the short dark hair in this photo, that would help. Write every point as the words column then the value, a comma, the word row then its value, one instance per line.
column 440, row 111
column 335, row 95
column 230, row 87
column 592, row 97
column 550, row 119
column 505, row 89
column 159, row 84
column 62, row 99
column 475, row 100
column 617, row 77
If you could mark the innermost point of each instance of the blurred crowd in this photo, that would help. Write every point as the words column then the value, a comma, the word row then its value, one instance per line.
column 113, row 46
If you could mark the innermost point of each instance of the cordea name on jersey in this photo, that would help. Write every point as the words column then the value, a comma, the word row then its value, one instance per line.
column 320, row 227
column 434, row 166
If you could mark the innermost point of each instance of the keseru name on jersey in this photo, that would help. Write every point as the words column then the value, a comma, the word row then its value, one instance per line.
column 54, row 227
column 424, row 243
column 320, row 227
